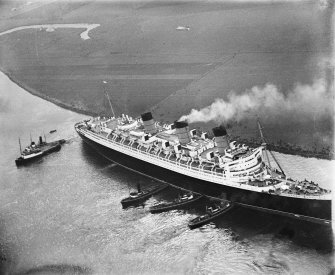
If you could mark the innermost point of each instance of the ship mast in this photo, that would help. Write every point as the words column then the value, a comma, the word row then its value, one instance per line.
column 20, row 146
column 107, row 95
column 263, row 143
column 266, row 151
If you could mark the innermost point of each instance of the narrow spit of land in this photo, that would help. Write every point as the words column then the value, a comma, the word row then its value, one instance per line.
column 136, row 49
column 52, row 27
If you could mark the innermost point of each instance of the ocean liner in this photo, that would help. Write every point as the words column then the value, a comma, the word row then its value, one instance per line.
column 217, row 167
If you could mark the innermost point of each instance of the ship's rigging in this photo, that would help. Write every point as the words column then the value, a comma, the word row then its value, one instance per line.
column 264, row 144
column 107, row 95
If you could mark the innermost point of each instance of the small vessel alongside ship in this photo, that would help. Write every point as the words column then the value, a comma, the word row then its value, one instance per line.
column 37, row 150
column 185, row 199
column 140, row 195
column 216, row 167
column 211, row 214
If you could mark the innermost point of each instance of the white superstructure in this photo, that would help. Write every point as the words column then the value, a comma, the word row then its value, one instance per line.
column 178, row 149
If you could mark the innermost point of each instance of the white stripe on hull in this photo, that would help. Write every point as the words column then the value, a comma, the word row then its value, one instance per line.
column 32, row 155
column 187, row 170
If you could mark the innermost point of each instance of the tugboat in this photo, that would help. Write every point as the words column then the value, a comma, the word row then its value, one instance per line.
column 184, row 157
column 212, row 213
column 183, row 200
column 140, row 195
column 35, row 151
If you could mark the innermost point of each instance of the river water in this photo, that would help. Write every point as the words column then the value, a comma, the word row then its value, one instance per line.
column 62, row 214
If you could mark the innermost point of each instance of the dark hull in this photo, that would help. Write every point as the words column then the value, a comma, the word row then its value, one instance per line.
column 197, row 223
column 319, row 209
column 174, row 205
column 21, row 161
column 146, row 195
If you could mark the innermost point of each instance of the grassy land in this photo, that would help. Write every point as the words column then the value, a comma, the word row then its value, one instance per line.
column 150, row 66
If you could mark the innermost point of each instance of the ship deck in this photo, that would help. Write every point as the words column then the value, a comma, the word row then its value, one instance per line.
column 279, row 187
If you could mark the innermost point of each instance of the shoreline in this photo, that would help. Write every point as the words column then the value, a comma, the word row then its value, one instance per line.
column 57, row 102
column 289, row 150
column 52, row 27
column 79, row 110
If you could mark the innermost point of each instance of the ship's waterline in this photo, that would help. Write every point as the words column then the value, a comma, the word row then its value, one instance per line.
column 64, row 212
column 172, row 156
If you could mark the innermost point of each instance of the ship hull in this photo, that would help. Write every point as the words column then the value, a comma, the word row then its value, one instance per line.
column 319, row 209
column 22, row 161
column 46, row 148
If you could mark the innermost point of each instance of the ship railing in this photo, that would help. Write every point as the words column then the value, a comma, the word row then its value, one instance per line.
column 140, row 152
column 316, row 195
column 198, row 171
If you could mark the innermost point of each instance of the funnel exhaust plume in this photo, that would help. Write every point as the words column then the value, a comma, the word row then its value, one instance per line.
column 304, row 100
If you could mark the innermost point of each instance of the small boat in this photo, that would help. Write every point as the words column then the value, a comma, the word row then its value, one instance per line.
column 37, row 150
column 183, row 200
column 212, row 213
column 183, row 28
column 53, row 131
column 141, row 195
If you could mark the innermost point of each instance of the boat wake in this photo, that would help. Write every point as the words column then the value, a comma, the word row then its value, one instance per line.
column 108, row 166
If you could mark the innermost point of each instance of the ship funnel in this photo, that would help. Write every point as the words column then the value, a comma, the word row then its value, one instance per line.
column 182, row 132
column 149, row 123
column 221, row 138
column 41, row 141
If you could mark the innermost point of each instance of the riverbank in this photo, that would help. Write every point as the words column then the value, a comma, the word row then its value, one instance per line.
column 291, row 149
column 144, row 63
column 71, row 107
column 283, row 147
column 59, row 210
